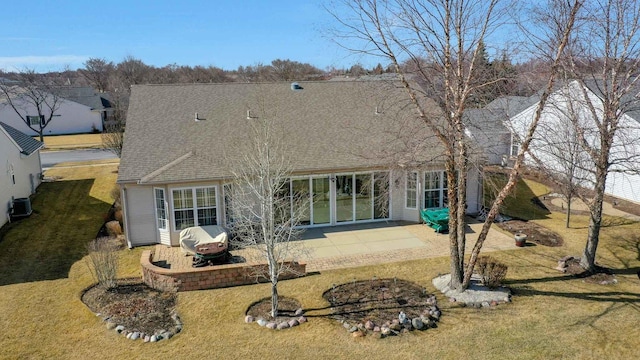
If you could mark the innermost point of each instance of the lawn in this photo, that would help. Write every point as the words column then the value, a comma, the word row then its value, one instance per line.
column 76, row 141
column 551, row 316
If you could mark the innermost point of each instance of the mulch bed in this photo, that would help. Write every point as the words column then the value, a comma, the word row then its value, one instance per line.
column 535, row 233
column 379, row 301
column 601, row 276
column 286, row 309
column 134, row 305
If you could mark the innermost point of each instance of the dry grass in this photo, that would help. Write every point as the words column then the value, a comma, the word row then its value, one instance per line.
column 75, row 141
column 552, row 315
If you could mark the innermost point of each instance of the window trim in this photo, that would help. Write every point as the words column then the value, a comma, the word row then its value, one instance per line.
column 195, row 204
column 441, row 188
column 155, row 205
column 413, row 189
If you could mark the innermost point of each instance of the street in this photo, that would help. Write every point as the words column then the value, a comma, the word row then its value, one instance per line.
column 51, row 158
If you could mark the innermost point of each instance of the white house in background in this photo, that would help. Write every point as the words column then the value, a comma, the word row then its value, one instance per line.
column 623, row 181
column 357, row 149
column 81, row 110
column 21, row 168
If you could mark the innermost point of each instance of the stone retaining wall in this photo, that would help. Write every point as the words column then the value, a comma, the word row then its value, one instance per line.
column 208, row 277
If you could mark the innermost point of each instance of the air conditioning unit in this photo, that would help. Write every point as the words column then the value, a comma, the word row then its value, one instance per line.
column 21, row 208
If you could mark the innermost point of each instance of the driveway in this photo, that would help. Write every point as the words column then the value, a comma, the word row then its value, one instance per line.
column 52, row 158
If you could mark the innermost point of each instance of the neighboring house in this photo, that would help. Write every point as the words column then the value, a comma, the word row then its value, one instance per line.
column 487, row 131
column 81, row 110
column 347, row 142
column 554, row 133
column 22, row 171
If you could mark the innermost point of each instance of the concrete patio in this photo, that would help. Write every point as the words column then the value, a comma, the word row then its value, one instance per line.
column 358, row 245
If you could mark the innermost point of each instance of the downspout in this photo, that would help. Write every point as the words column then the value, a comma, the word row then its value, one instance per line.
column 125, row 215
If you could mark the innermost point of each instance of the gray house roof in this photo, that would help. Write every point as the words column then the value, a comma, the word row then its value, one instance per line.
column 84, row 95
column 325, row 126
column 26, row 143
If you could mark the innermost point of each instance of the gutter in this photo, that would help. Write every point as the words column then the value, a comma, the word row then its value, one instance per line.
column 123, row 195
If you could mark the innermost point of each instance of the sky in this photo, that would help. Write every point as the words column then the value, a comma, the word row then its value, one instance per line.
column 51, row 35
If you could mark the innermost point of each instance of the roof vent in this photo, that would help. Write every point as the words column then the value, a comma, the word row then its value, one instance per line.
column 296, row 87
column 198, row 119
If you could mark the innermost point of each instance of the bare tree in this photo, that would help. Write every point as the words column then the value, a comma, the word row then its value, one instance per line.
column 33, row 99
column 605, row 64
column 264, row 210
column 97, row 72
column 556, row 149
column 442, row 40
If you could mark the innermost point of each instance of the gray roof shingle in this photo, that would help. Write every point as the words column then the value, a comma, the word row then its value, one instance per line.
column 326, row 126
column 27, row 144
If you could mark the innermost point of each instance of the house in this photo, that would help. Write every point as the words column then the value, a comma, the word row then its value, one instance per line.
column 553, row 137
column 22, row 171
column 80, row 110
column 347, row 142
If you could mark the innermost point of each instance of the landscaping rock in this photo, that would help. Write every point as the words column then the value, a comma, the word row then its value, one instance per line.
column 395, row 326
column 293, row 322
column 111, row 325
column 417, row 323
column 369, row 325
column 485, row 304
column 153, row 338
column 248, row 319
column 283, row 325
column 353, row 329
column 272, row 326
column 299, row 312
column 302, row 319
column 262, row 322
column 167, row 335
column 119, row 329
column 376, row 329
column 384, row 330
column 346, row 325
column 147, row 338
column 135, row 336
column 358, row 333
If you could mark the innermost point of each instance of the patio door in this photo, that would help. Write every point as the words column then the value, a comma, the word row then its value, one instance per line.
column 321, row 200
column 162, row 210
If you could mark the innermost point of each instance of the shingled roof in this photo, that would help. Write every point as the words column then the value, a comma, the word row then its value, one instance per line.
column 327, row 126
column 26, row 144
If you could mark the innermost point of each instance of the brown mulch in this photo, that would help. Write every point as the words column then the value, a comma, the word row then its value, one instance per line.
column 287, row 307
column 378, row 300
column 602, row 276
column 134, row 305
column 535, row 233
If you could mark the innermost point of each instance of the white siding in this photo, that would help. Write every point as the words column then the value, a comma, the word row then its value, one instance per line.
column 26, row 171
column 624, row 186
column 74, row 118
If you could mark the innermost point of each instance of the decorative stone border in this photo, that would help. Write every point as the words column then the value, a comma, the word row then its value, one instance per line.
column 278, row 326
column 402, row 324
column 209, row 277
column 158, row 335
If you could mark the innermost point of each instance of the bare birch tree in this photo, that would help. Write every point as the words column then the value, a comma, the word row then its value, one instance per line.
column 605, row 64
column 264, row 210
column 442, row 40
column 33, row 99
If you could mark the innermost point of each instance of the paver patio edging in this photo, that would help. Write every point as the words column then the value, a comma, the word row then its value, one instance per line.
column 209, row 277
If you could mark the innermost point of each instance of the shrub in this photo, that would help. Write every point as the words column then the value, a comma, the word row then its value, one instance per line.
column 115, row 195
column 103, row 257
column 113, row 228
column 491, row 271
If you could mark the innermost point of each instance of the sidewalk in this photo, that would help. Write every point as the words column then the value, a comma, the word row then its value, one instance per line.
column 360, row 245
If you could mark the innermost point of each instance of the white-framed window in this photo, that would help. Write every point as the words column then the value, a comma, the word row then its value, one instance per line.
column 515, row 145
column 411, row 186
column 194, row 207
column 161, row 208
column 34, row 120
column 435, row 189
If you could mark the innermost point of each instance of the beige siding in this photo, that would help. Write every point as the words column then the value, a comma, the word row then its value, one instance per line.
column 140, row 219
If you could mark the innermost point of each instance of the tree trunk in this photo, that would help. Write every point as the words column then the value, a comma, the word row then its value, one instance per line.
column 588, row 261
column 569, row 198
